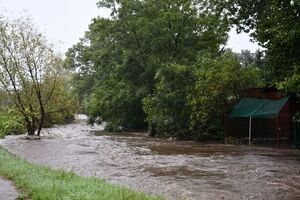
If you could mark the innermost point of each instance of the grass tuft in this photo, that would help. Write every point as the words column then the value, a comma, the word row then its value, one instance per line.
column 39, row 182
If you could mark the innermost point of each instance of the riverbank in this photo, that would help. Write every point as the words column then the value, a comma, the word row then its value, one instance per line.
column 38, row 182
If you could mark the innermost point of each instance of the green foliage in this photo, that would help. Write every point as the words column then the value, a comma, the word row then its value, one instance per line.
column 62, row 106
column 31, row 74
column 37, row 182
column 83, row 81
column 11, row 123
column 190, row 101
column 256, row 59
column 118, row 104
column 60, row 109
column 219, row 83
column 275, row 24
column 167, row 109
column 118, row 59
column 291, row 83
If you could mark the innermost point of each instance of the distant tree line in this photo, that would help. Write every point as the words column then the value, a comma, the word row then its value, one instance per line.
column 162, row 65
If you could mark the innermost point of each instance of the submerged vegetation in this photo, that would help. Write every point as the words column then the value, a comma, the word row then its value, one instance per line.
column 37, row 182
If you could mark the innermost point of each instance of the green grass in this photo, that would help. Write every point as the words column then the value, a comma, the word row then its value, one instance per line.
column 42, row 183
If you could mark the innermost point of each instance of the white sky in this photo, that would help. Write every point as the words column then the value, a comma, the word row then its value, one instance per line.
column 64, row 21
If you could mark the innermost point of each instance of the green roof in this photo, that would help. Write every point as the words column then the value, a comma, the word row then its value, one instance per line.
column 258, row 108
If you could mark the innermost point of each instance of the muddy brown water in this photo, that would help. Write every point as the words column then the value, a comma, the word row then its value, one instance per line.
column 171, row 169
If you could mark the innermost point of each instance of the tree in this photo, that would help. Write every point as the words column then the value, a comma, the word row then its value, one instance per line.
column 126, row 51
column 62, row 105
column 220, row 83
column 27, row 63
column 246, row 58
column 190, row 101
column 275, row 24
column 78, row 59
column 168, row 113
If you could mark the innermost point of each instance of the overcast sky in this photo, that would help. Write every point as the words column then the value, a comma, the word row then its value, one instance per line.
column 65, row 21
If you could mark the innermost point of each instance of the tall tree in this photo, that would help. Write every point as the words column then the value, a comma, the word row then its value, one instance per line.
column 168, row 113
column 190, row 101
column 126, row 50
column 26, row 63
column 246, row 58
column 275, row 24
column 160, row 61
column 220, row 83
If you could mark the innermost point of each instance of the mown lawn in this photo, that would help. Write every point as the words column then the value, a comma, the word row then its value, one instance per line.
column 42, row 183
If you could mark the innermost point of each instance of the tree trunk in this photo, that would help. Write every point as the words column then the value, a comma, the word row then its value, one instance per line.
column 41, row 123
column 30, row 129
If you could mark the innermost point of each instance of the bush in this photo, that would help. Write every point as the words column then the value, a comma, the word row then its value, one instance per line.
column 167, row 109
column 10, row 123
column 190, row 101
column 231, row 141
column 62, row 106
column 111, row 127
column 219, row 84
column 118, row 104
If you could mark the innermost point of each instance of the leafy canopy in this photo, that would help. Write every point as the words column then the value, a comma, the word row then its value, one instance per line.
column 29, row 73
column 275, row 24
column 121, row 55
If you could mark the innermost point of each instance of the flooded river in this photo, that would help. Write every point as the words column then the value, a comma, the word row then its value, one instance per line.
column 172, row 169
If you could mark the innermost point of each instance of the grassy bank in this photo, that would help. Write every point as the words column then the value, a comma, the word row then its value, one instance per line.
column 38, row 182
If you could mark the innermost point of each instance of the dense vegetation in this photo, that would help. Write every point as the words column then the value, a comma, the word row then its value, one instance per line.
column 275, row 24
column 162, row 64
column 10, row 122
column 120, row 56
column 34, row 86
column 37, row 182
column 159, row 65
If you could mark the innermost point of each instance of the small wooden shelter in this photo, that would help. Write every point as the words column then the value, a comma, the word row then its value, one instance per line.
column 262, row 114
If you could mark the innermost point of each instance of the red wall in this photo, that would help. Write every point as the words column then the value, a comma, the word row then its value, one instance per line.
column 261, row 93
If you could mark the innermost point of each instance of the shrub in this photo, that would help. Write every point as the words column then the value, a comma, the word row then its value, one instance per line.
column 11, row 123
column 167, row 109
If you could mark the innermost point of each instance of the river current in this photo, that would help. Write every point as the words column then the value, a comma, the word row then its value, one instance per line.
column 171, row 169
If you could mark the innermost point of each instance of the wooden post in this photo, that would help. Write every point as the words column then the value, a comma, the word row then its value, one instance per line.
column 225, row 127
column 250, row 127
column 278, row 138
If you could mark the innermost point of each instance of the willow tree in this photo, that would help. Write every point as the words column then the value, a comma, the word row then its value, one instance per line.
column 26, row 62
